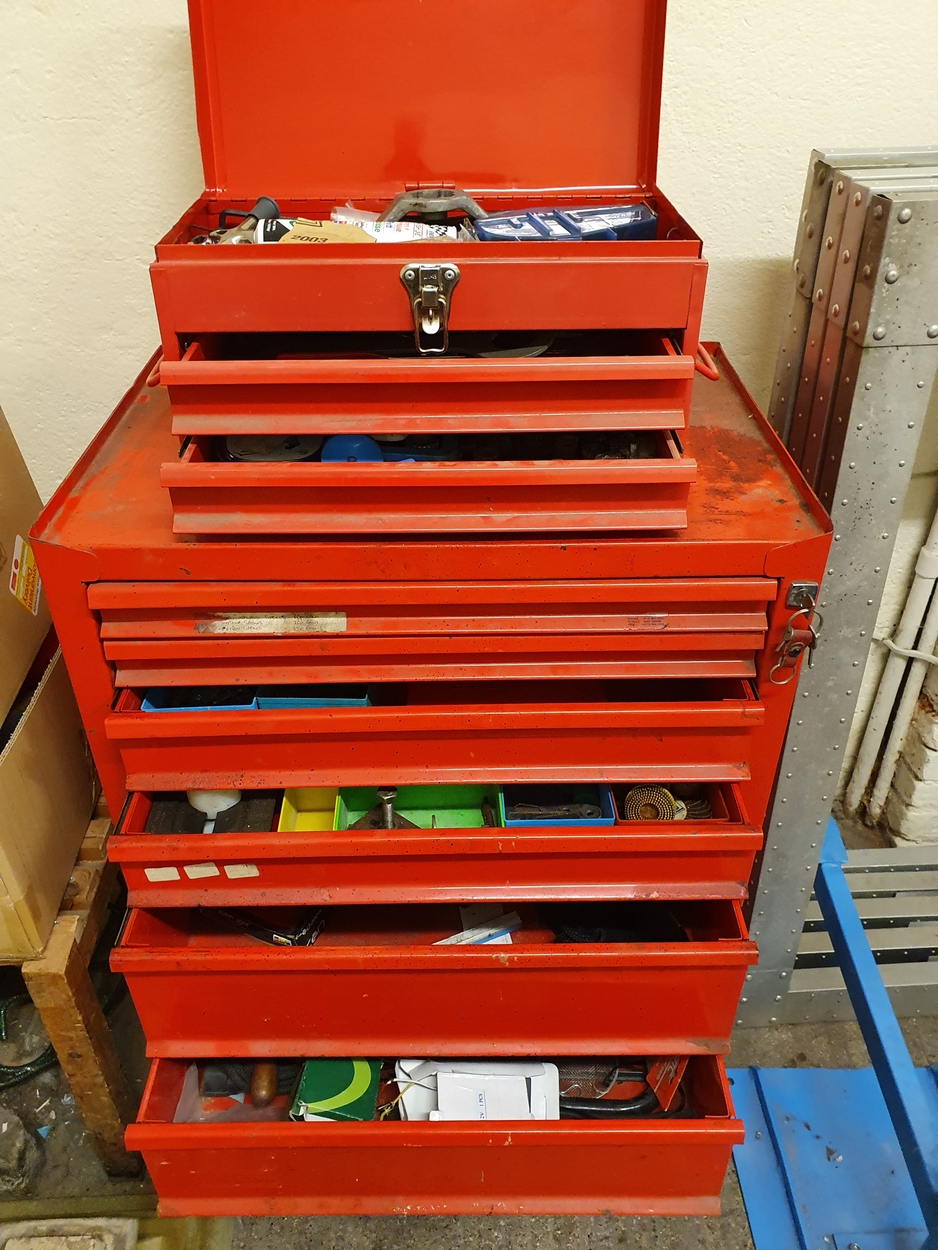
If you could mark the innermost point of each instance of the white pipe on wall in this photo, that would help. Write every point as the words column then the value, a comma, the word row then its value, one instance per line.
column 904, row 713
column 916, row 605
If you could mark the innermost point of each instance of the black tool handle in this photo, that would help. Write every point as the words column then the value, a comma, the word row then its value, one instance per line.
column 263, row 210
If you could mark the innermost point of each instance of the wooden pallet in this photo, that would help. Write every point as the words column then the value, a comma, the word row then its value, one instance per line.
column 60, row 986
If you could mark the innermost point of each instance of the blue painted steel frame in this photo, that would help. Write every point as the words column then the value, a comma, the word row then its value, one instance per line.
column 911, row 1117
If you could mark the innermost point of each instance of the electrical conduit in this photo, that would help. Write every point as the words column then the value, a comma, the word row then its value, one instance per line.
column 916, row 607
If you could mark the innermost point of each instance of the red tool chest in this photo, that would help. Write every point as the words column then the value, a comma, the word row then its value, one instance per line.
column 529, row 614
column 140, row 605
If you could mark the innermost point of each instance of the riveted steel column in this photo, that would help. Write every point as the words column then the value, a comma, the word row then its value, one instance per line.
column 887, row 376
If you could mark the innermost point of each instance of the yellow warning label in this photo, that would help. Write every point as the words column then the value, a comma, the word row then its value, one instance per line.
column 24, row 575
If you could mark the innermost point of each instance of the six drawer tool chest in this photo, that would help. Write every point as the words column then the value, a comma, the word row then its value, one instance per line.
column 434, row 607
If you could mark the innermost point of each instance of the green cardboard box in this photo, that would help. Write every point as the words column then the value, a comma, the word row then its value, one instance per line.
column 337, row 1089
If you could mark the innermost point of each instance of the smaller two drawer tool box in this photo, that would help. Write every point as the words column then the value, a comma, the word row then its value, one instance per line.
column 527, row 360
column 478, row 482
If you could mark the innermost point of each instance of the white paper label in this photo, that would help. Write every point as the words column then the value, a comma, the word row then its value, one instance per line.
column 194, row 871
column 161, row 874
column 234, row 871
column 275, row 623
column 648, row 620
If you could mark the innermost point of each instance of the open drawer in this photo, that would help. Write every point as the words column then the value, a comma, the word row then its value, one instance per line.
column 557, row 1167
column 218, row 497
column 637, row 859
column 690, row 730
column 270, row 384
column 216, row 633
column 374, row 983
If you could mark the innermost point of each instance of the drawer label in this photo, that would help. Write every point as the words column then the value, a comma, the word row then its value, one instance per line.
column 234, row 871
column 161, row 874
column 647, row 621
column 195, row 871
column 275, row 623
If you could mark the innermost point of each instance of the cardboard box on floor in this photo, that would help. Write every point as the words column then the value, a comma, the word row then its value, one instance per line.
column 24, row 614
column 48, row 788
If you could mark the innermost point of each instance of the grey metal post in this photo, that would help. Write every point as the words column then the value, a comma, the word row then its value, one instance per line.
column 889, row 368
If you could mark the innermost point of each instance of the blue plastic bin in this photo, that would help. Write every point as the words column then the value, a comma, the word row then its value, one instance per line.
column 326, row 695
column 198, row 699
column 560, row 793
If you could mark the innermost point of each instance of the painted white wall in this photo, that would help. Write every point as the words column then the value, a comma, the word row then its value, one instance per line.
column 98, row 155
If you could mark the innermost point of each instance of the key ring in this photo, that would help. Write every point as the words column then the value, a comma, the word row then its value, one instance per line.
column 789, row 668
column 789, row 651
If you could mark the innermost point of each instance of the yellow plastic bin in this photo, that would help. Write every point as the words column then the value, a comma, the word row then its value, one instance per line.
column 309, row 808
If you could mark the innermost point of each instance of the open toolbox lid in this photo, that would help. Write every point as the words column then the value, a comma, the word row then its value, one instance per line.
column 310, row 99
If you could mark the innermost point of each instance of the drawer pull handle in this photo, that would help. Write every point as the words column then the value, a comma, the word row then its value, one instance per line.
column 153, row 377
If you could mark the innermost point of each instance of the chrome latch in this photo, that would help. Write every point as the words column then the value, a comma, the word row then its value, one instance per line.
column 430, row 288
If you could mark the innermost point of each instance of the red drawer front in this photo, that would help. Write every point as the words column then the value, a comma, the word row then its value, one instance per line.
column 295, row 396
column 367, row 988
column 656, row 284
column 504, row 731
column 710, row 859
column 210, row 497
column 218, row 633
column 568, row 1167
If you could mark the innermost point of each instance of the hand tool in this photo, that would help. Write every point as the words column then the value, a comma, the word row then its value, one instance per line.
column 383, row 815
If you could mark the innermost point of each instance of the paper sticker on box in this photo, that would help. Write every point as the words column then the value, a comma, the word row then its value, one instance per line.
column 24, row 576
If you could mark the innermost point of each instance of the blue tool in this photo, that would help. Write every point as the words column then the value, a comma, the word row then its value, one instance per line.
column 350, row 448
column 569, row 225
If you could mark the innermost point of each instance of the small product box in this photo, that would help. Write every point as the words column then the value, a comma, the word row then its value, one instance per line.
column 337, row 1089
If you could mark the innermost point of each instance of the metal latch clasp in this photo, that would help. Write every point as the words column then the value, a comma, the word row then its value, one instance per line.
column 430, row 288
